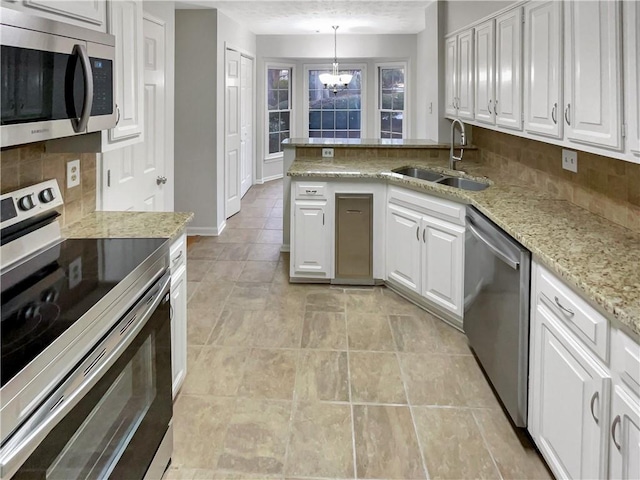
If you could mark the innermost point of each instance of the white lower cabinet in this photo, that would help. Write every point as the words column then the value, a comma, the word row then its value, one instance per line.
column 403, row 247
column 584, row 407
column 311, row 245
column 178, row 259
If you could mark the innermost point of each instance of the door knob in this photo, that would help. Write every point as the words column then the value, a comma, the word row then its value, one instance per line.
column 161, row 180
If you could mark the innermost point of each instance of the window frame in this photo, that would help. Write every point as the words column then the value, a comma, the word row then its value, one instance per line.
column 363, row 94
column 405, row 112
column 277, row 66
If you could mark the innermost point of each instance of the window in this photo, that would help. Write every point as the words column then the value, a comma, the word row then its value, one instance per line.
column 391, row 101
column 279, row 107
column 335, row 115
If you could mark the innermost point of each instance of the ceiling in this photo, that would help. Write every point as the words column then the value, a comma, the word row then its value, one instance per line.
column 267, row 17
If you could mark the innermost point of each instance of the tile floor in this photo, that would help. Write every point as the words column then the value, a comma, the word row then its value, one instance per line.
column 313, row 381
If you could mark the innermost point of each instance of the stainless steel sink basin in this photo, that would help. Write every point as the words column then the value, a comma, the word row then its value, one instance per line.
column 420, row 173
column 462, row 183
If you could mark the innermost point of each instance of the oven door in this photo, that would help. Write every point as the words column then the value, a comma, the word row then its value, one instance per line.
column 109, row 416
column 51, row 86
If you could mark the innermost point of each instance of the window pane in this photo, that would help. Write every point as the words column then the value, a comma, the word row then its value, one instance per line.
column 272, row 99
column 335, row 110
column 354, row 133
column 385, row 121
column 274, row 122
column 385, row 135
column 328, row 120
column 354, row 120
column 283, row 99
column 398, row 101
column 396, row 123
column 314, row 133
column 387, row 100
column 284, row 121
column 283, row 136
column 314, row 120
column 328, row 134
column 341, row 133
column 341, row 120
column 274, row 142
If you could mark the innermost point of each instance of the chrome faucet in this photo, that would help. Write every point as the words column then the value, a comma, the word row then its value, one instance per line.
column 463, row 141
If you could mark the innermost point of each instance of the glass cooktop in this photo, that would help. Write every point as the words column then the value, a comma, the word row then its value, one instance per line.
column 47, row 294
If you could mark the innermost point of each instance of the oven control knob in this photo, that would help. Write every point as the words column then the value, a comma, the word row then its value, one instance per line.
column 47, row 195
column 26, row 202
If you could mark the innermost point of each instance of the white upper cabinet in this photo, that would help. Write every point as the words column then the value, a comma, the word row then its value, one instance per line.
column 631, row 47
column 85, row 13
column 543, row 68
column 508, row 99
column 125, row 23
column 459, row 91
column 592, row 87
column 484, row 72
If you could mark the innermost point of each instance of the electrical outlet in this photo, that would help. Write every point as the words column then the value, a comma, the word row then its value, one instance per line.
column 327, row 152
column 73, row 173
column 570, row 160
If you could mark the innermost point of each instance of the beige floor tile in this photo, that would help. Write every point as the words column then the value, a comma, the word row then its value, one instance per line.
column 386, row 444
column 273, row 223
column 280, row 328
column 359, row 301
column 200, row 324
column 204, row 250
column 375, row 378
column 324, row 330
column 256, row 437
column 235, row 251
column 286, row 299
column 451, row 340
column 258, row 272
column 269, row 374
column 246, row 222
column 199, row 429
column 240, row 235
column 265, row 252
column 210, row 295
column 322, row 375
column 432, row 380
column 394, row 304
column 514, row 454
column 475, row 387
column 248, row 296
column 326, row 300
column 452, row 444
column 217, row 371
column 256, row 211
column 270, row 236
column 235, row 328
column 197, row 269
column 224, row 270
column 369, row 331
column 177, row 473
column 414, row 334
column 191, row 288
column 321, row 443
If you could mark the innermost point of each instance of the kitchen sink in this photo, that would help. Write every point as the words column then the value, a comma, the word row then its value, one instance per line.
column 420, row 173
column 463, row 183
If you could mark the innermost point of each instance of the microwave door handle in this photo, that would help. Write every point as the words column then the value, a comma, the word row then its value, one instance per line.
column 80, row 125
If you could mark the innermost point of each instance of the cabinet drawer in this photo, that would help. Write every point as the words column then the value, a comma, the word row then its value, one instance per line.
column 178, row 253
column 625, row 359
column 433, row 206
column 581, row 318
column 310, row 190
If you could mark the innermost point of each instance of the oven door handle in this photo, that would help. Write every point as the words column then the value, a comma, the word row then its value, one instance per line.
column 80, row 124
column 80, row 381
column 495, row 250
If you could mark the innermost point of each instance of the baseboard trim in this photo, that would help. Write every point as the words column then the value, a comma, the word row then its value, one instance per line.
column 285, row 248
column 207, row 231
column 268, row 179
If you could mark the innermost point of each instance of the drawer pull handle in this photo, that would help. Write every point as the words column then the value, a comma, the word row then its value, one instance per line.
column 424, row 235
column 567, row 113
column 594, row 397
column 554, row 111
column 354, row 211
column 614, row 425
column 312, row 191
column 418, row 233
column 570, row 312
column 178, row 257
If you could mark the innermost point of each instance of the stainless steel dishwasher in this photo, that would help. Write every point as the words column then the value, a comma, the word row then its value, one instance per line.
column 497, row 277
column 354, row 239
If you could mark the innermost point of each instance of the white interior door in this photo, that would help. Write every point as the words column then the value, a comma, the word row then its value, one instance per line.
column 232, row 156
column 132, row 173
column 246, row 124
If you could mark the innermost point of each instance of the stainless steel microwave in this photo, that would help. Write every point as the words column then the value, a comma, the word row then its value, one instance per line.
column 57, row 79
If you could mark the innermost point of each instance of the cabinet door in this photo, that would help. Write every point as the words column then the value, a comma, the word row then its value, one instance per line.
column 631, row 47
column 179, row 328
column 569, row 402
column 624, row 459
column 543, row 68
column 508, row 102
column 125, row 23
column 89, row 12
column 443, row 264
column 310, row 246
column 403, row 247
column 484, row 72
column 465, row 75
column 450, row 67
column 593, row 73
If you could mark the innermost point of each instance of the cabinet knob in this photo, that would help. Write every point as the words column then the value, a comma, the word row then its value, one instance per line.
column 161, row 180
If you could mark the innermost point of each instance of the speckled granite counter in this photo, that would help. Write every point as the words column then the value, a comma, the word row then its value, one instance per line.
column 128, row 225
column 599, row 258
column 364, row 143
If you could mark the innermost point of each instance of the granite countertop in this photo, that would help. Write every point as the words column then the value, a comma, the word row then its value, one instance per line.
column 128, row 225
column 596, row 256
column 367, row 143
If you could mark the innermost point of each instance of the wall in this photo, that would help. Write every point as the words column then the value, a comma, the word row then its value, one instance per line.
column 29, row 164
column 603, row 185
column 301, row 50
column 196, row 117
column 460, row 13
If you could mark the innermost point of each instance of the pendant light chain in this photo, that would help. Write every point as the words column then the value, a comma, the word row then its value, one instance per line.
column 334, row 80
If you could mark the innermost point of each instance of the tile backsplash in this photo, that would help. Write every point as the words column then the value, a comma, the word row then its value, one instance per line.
column 603, row 185
column 28, row 164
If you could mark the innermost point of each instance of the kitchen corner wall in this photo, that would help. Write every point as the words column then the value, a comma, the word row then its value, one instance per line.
column 605, row 186
column 25, row 165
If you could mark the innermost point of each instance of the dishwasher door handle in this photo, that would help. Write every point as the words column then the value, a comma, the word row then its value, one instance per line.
column 496, row 251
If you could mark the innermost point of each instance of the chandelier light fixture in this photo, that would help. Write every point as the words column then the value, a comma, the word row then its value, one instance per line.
column 335, row 80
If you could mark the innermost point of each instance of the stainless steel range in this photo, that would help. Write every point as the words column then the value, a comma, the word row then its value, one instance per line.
column 86, row 348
